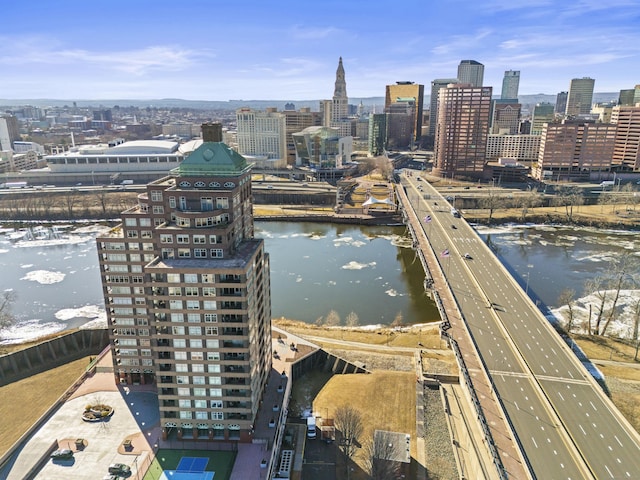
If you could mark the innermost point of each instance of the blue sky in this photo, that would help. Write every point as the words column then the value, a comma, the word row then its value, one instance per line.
column 289, row 50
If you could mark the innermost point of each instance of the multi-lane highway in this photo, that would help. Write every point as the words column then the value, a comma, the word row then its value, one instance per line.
column 565, row 427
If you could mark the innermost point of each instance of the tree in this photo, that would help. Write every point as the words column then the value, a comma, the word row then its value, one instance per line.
column 332, row 319
column 349, row 423
column 381, row 456
column 566, row 297
column 526, row 201
column 6, row 302
column 491, row 202
column 397, row 321
column 352, row 320
column 569, row 197
column 620, row 280
column 597, row 286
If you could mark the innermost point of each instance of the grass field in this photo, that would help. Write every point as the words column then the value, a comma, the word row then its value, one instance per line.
column 26, row 400
column 219, row 462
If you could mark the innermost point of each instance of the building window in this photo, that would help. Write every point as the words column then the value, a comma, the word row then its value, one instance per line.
column 193, row 317
column 173, row 277
column 217, row 415
column 181, row 367
column 179, row 343
column 213, row 343
column 207, row 278
column 213, row 368
column 182, row 238
column 213, row 356
column 197, row 367
column 184, row 253
column 196, row 343
column 202, row 416
column 200, row 252
column 199, row 392
column 222, row 202
column 145, row 222
column 215, row 380
column 167, row 253
column 175, row 291
column 185, row 415
column 195, row 331
column 183, row 403
column 177, row 317
column 180, row 355
column 172, row 202
column 156, row 196
column 190, row 278
column 211, row 330
column 199, row 239
column 132, row 234
column 178, row 330
column 182, row 379
column 216, row 403
column 193, row 304
column 200, row 403
column 158, row 209
column 208, row 291
column 211, row 317
column 216, row 253
column 198, row 380
column 209, row 305
column 175, row 304
column 214, row 392
column 164, row 238
column 183, row 222
column 130, row 222
column 191, row 291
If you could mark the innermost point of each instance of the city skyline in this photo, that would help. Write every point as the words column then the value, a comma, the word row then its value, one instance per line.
column 154, row 50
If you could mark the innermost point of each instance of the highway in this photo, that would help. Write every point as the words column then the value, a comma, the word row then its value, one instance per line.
column 565, row 426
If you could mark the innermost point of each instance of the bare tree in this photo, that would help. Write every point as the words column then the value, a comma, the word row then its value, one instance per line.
column 6, row 302
column 398, row 320
column 621, row 279
column 491, row 202
column 349, row 423
column 332, row 319
column 597, row 287
column 319, row 321
column 636, row 327
column 569, row 197
column 526, row 201
column 352, row 320
column 381, row 456
column 70, row 202
column 567, row 297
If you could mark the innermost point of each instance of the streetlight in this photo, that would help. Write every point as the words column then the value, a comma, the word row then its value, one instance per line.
column 529, row 267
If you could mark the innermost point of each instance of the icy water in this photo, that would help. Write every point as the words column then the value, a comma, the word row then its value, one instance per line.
column 315, row 268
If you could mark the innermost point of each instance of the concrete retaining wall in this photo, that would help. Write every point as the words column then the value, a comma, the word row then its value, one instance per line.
column 52, row 353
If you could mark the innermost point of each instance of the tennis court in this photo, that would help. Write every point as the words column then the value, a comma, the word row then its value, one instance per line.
column 191, row 465
column 189, row 468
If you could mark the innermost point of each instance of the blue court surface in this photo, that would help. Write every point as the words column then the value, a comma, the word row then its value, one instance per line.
column 189, row 468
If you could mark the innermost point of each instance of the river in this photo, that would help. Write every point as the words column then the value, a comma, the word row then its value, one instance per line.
column 315, row 268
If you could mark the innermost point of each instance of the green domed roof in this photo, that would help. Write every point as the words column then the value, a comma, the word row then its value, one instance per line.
column 212, row 158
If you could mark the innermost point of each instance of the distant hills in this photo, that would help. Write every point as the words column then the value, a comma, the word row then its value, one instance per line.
column 256, row 104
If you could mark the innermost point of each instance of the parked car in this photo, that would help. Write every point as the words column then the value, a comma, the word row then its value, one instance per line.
column 119, row 469
column 62, row 454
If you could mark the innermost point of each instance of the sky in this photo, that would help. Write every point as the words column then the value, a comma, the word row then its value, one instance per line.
column 289, row 49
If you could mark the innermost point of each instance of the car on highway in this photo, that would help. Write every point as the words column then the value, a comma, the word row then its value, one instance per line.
column 454, row 227
column 62, row 454
column 467, row 256
column 119, row 469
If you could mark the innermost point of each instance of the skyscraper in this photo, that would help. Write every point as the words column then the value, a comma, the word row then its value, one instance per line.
column 187, row 293
column 470, row 71
column 436, row 85
column 542, row 113
column 463, row 127
column 411, row 95
column 580, row 96
column 629, row 97
column 505, row 116
column 561, row 102
column 339, row 105
column 510, row 84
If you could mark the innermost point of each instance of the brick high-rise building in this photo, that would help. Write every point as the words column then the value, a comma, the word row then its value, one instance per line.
column 462, row 130
column 627, row 148
column 411, row 95
column 187, row 293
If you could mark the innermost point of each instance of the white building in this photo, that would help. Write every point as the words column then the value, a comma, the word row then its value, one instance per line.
column 262, row 133
column 523, row 148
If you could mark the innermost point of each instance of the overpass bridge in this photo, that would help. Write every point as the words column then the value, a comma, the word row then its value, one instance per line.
column 542, row 414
